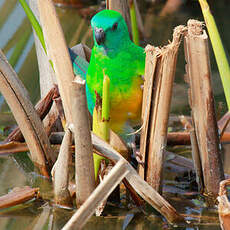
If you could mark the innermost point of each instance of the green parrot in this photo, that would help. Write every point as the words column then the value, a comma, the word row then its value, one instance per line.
column 119, row 58
column 115, row 55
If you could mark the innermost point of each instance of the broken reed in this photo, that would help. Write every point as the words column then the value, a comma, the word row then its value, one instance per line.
column 60, row 172
column 27, row 118
column 159, row 77
column 73, row 97
column 202, row 105
column 224, row 205
column 84, row 168
column 101, row 120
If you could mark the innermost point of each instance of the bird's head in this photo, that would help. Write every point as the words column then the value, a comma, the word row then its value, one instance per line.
column 110, row 31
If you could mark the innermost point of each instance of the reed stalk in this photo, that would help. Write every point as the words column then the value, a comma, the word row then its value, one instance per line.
column 61, row 172
column 202, row 104
column 34, row 22
column 84, row 172
column 72, row 92
column 97, row 124
column 19, row 196
column 224, row 205
column 58, row 52
column 220, row 55
column 139, row 185
column 160, row 75
column 105, row 108
column 27, row 118
column 133, row 18
column 101, row 120
column 150, row 67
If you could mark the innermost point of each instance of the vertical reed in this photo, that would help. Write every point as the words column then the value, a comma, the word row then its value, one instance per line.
column 101, row 120
column 133, row 18
column 163, row 77
column 73, row 98
column 84, row 176
column 61, row 172
column 202, row 104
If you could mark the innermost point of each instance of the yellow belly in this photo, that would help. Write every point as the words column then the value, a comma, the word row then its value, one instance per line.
column 126, row 109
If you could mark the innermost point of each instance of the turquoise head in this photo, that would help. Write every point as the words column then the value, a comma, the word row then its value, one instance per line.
column 110, row 32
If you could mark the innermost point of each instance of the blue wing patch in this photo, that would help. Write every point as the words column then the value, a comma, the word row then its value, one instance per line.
column 80, row 65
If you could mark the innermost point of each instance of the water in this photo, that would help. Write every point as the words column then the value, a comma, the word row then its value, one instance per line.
column 13, row 25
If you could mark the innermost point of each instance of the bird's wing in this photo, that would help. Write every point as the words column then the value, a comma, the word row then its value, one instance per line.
column 80, row 65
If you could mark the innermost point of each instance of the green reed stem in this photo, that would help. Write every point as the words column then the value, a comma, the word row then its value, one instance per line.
column 135, row 32
column 218, row 49
column 35, row 24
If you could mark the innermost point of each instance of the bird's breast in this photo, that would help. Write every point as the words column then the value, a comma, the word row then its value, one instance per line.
column 126, row 105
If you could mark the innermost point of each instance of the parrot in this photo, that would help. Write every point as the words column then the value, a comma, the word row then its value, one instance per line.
column 115, row 55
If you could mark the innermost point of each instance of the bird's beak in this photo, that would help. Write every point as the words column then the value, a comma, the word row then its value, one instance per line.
column 99, row 35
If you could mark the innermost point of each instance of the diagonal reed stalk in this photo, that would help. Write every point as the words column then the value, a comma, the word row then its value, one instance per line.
column 34, row 22
column 218, row 49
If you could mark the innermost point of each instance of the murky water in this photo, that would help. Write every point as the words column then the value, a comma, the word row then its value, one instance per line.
column 14, row 27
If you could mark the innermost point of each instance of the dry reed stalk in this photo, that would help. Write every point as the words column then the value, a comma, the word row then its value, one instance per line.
column 84, row 166
column 174, row 138
column 60, row 110
column 202, row 104
column 26, row 116
column 223, row 123
column 60, row 172
column 162, row 75
column 150, row 67
column 42, row 108
column 121, row 6
column 139, row 185
column 178, row 138
column 19, row 196
column 196, row 160
column 47, row 77
column 58, row 52
column 75, row 110
column 224, row 205
column 101, row 193
column 13, row 147
column 178, row 160
column 183, row 138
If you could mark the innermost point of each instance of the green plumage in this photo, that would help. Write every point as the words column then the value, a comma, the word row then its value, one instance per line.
column 116, row 56
column 120, row 59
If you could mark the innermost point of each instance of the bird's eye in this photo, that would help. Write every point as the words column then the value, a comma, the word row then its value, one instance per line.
column 114, row 26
